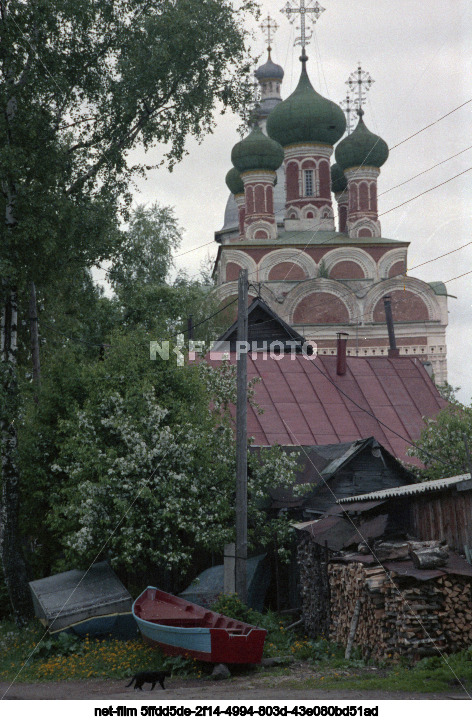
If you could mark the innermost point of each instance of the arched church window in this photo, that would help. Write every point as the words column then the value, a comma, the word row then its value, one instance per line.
column 308, row 182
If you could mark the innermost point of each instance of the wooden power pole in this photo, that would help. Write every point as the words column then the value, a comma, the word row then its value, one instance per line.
column 241, row 441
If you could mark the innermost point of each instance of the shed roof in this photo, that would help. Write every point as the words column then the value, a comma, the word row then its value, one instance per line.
column 317, row 465
column 305, row 403
column 411, row 490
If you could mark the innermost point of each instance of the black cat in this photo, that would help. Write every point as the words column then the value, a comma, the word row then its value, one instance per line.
column 151, row 677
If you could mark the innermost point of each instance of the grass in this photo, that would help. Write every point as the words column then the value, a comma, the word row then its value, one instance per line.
column 30, row 656
column 65, row 657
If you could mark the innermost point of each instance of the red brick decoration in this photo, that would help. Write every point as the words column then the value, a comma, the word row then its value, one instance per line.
column 397, row 269
column 321, row 308
column 291, row 181
column 232, row 272
column 342, row 214
column 228, row 316
column 406, row 306
column 346, row 269
column 287, row 271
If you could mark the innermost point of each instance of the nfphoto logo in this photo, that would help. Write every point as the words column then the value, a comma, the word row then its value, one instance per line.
column 221, row 350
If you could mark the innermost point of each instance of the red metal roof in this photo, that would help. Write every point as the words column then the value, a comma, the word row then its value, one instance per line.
column 302, row 407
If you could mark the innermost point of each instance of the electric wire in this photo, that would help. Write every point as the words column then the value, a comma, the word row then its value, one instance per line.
column 430, row 125
column 423, row 172
column 347, row 516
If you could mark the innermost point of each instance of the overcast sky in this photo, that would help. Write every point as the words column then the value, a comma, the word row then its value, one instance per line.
column 419, row 54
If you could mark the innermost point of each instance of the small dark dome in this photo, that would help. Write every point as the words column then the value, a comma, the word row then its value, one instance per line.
column 234, row 182
column 338, row 179
column 361, row 148
column 257, row 152
column 306, row 116
column 270, row 71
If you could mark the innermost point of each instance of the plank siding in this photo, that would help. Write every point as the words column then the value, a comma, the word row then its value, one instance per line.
column 446, row 516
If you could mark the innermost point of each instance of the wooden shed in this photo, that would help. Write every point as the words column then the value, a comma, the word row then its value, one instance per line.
column 440, row 509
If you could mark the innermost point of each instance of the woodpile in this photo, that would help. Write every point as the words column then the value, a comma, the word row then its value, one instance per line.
column 456, row 611
column 399, row 616
column 314, row 586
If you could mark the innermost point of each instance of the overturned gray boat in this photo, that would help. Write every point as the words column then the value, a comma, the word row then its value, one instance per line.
column 93, row 603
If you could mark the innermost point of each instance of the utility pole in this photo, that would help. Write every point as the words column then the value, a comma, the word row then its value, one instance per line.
column 190, row 327
column 241, row 440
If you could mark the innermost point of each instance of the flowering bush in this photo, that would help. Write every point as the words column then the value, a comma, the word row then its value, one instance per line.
column 153, row 485
column 441, row 446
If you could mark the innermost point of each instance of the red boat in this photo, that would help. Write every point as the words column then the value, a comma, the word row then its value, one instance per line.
column 181, row 628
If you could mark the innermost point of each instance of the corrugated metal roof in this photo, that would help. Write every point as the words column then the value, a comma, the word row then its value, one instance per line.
column 411, row 490
column 301, row 407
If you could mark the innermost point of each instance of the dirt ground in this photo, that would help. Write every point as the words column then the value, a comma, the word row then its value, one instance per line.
column 246, row 687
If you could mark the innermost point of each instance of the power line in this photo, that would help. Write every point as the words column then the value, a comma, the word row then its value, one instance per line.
column 398, row 590
column 430, row 124
column 424, row 171
column 438, row 257
column 458, row 276
column 426, row 191
column 107, row 345
column 192, row 249
column 369, row 413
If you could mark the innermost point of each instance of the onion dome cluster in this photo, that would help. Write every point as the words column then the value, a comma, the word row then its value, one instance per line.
column 306, row 116
column 361, row 148
column 338, row 179
column 234, row 182
column 270, row 71
column 257, row 152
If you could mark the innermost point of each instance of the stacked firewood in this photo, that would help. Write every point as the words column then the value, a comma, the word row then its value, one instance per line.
column 399, row 616
column 456, row 610
column 314, row 586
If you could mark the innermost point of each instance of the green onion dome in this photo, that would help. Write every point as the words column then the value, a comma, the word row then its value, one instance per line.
column 338, row 179
column 269, row 71
column 306, row 117
column 361, row 148
column 234, row 182
column 257, row 152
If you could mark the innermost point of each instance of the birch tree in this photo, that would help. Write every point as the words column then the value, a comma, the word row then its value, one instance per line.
column 83, row 84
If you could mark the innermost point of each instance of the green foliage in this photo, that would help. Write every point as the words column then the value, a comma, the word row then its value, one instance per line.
column 150, row 446
column 441, row 445
column 145, row 256
column 448, row 392
column 62, row 644
column 279, row 640
column 82, row 85
column 323, row 271
column 229, row 604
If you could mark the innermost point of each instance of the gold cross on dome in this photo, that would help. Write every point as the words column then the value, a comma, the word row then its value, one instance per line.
column 270, row 27
column 307, row 12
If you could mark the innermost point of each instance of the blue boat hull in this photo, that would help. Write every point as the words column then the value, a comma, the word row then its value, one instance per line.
column 181, row 628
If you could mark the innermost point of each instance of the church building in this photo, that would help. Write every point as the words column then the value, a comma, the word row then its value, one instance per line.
column 303, row 219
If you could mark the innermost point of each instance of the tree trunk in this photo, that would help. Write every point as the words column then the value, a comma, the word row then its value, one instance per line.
column 33, row 318
column 14, row 567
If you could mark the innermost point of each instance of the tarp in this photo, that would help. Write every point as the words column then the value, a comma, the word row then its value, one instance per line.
column 205, row 589
column 73, row 597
